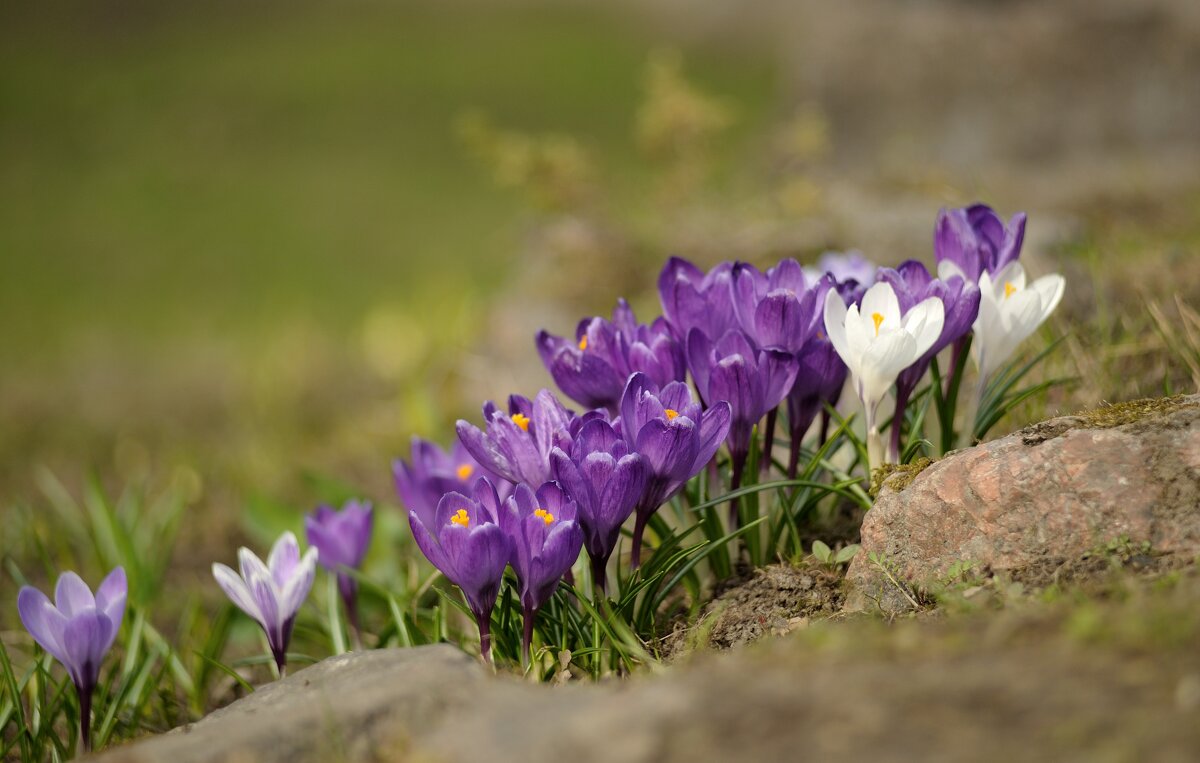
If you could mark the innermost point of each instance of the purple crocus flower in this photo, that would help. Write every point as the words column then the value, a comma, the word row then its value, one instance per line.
column 752, row 382
column 692, row 298
column 844, row 267
column 77, row 629
column 974, row 240
column 517, row 445
column 546, row 540
column 606, row 480
column 341, row 539
column 435, row 472
column 593, row 368
column 913, row 284
column 776, row 310
column 674, row 437
column 466, row 543
column 271, row 593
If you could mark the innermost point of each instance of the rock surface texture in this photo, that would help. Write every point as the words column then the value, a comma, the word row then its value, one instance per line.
column 359, row 706
column 1051, row 492
column 787, row 699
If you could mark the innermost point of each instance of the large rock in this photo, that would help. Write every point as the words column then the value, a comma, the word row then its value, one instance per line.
column 925, row 690
column 1054, row 491
column 363, row 706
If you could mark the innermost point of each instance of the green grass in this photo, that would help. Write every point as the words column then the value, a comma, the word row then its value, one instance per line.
column 226, row 167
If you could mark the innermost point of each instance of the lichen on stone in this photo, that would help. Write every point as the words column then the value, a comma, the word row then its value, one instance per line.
column 897, row 476
column 1112, row 415
column 1106, row 416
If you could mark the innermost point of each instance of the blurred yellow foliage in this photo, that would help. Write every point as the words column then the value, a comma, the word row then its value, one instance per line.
column 677, row 123
column 554, row 171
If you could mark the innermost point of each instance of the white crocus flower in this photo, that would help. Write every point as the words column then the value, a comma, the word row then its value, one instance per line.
column 876, row 342
column 1009, row 312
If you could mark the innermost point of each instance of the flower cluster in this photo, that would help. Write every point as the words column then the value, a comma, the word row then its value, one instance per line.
column 538, row 481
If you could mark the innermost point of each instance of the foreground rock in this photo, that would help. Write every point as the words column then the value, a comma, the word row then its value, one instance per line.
column 1008, row 687
column 1055, row 491
column 354, row 707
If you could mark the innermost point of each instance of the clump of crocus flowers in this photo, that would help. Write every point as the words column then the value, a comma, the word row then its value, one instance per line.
column 750, row 341
column 539, row 483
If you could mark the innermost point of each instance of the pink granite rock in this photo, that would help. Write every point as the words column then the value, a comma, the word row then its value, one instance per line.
column 1053, row 491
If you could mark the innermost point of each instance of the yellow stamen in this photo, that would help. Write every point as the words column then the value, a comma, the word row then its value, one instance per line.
column 460, row 518
column 521, row 420
column 878, row 318
column 1009, row 289
column 464, row 472
column 671, row 414
column 583, row 343
column 545, row 515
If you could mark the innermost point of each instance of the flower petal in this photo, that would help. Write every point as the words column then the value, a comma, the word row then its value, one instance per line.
column 881, row 299
column 72, row 595
column 111, row 596
column 1050, row 288
column 295, row 591
column 924, row 322
column 45, row 623
column 835, row 327
column 250, row 565
column 237, row 590
column 284, row 557
column 82, row 639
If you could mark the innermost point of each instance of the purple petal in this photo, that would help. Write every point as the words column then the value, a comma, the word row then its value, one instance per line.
column 1014, row 239
column 296, row 590
column 669, row 449
column 45, row 623
column 624, row 488
column 778, row 370
column 82, row 638
column 748, row 287
column 699, row 354
column 284, row 557
column 714, row 428
column 111, row 596
column 479, row 558
column 788, row 274
column 428, row 544
column 484, row 449
column 784, row 320
column 72, row 595
column 266, row 599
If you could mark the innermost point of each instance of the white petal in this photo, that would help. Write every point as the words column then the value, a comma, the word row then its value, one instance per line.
column 1021, row 314
column 1051, row 289
column 249, row 564
column 881, row 299
column 237, row 591
column 858, row 337
column 926, row 325
column 835, row 325
column 888, row 355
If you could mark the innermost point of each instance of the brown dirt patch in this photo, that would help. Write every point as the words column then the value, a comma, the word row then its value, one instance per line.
column 775, row 599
